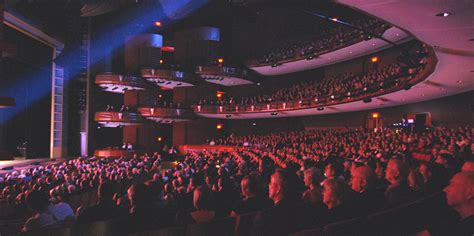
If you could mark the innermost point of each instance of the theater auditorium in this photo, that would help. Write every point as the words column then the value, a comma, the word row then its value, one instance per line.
column 236, row 117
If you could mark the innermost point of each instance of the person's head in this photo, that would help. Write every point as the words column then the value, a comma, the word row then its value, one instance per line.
column 250, row 185
column 279, row 186
column 203, row 198
column 397, row 171
column 460, row 190
column 312, row 176
column 38, row 201
column 362, row 179
column 333, row 193
column 106, row 191
column 425, row 171
column 139, row 195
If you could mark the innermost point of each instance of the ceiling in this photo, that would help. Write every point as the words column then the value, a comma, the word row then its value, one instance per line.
column 449, row 36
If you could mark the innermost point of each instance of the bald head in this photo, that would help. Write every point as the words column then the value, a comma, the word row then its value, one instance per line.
column 460, row 193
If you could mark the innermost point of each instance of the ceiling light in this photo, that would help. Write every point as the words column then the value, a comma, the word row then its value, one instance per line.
column 320, row 108
column 459, row 81
column 443, row 14
column 471, row 39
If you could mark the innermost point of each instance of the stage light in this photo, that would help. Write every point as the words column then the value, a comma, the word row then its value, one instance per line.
column 161, row 61
column 254, row 124
column 274, row 65
column 274, row 113
column 334, row 19
column 114, row 88
column 332, row 96
column 219, row 94
column 220, row 60
column 158, row 23
column 374, row 59
column 320, row 108
column 219, row 126
column 228, row 116
column 258, row 84
column 375, row 115
column 443, row 14
column 160, row 139
column 316, row 99
column 179, row 83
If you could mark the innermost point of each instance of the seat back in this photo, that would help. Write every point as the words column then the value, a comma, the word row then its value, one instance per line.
column 100, row 228
column 220, row 227
column 244, row 224
column 173, row 231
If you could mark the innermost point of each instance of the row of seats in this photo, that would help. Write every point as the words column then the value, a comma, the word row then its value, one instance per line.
column 402, row 220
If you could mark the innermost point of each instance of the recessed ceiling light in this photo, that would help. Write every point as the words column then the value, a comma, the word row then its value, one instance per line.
column 422, row 94
column 459, row 81
column 398, row 34
column 444, row 14
column 350, row 52
column 442, row 89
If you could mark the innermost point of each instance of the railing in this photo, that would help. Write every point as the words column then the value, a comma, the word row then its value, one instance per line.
column 346, row 97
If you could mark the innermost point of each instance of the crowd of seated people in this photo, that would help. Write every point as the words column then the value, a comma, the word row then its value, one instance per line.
column 314, row 178
column 344, row 85
column 334, row 37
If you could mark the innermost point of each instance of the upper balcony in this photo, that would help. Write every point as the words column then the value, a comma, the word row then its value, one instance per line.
column 168, row 78
column 354, row 93
column 116, row 83
column 117, row 119
column 226, row 76
column 166, row 115
column 335, row 47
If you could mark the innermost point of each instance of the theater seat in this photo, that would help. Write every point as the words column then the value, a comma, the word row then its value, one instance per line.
column 221, row 227
column 345, row 227
column 51, row 232
column 244, row 224
column 100, row 228
column 174, row 231
column 309, row 232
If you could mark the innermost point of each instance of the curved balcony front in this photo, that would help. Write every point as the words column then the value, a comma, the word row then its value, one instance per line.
column 166, row 115
column 168, row 78
column 116, row 83
column 226, row 76
column 117, row 119
column 343, row 102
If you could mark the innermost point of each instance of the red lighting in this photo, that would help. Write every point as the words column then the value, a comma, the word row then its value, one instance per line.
column 219, row 94
column 219, row 126
column 167, row 49
column 374, row 59
column 375, row 115
column 158, row 23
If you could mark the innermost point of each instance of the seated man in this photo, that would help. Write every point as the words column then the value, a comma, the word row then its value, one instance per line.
column 288, row 213
column 38, row 202
column 460, row 196
column 366, row 198
column 398, row 191
column 105, row 209
column 253, row 201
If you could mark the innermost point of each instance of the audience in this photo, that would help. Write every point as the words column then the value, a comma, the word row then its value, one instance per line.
column 365, row 172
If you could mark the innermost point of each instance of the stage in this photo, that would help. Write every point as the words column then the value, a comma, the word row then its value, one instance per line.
column 19, row 164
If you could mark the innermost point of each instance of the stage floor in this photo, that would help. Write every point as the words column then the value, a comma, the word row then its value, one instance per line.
column 18, row 165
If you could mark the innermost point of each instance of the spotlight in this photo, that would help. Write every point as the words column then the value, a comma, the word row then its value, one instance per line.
column 258, row 84
column 254, row 124
column 228, row 116
column 374, row 59
column 161, row 61
column 320, row 108
column 310, row 58
column 274, row 65
column 169, row 82
column 443, row 14
column 274, row 113
column 179, row 83
column 332, row 96
column 125, row 89
column 367, row 100
column 316, row 100
column 219, row 126
column 114, row 88
column 158, row 23
column 220, row 60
